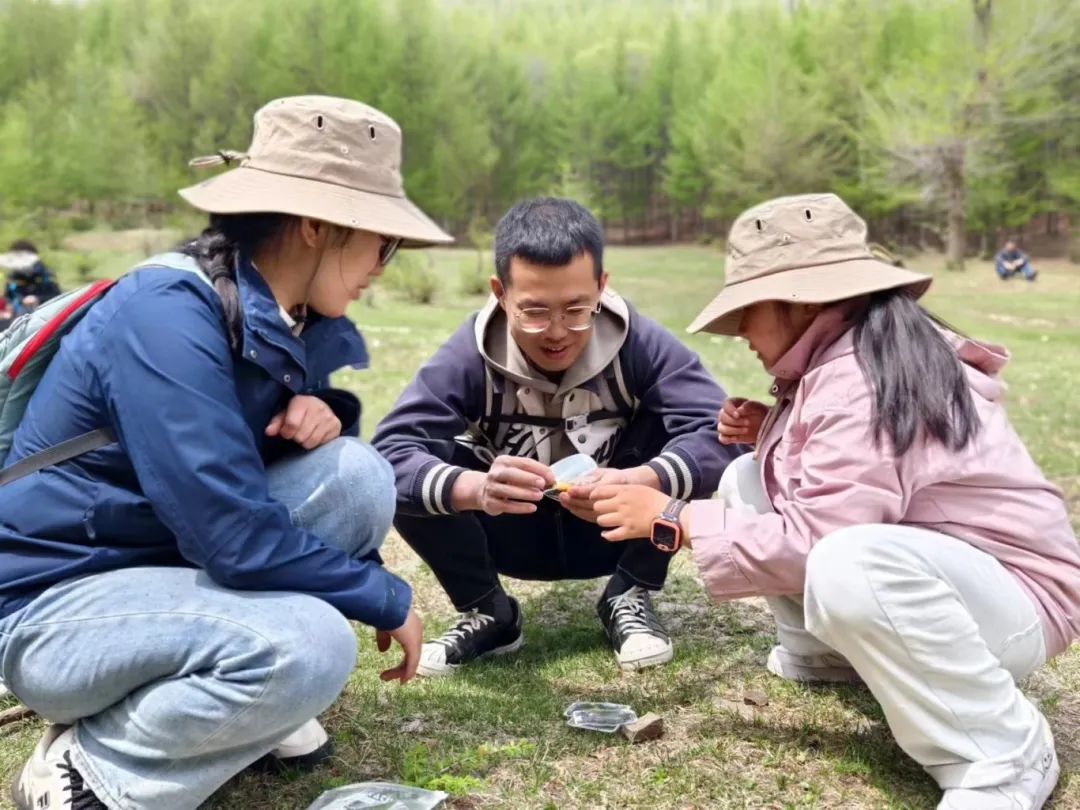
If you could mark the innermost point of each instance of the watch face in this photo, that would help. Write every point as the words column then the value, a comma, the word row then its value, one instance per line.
column 665, row 536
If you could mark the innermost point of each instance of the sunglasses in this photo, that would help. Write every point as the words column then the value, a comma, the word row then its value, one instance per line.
column 389, row 247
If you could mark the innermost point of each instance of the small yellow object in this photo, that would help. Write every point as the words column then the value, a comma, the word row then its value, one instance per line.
column 561, row 487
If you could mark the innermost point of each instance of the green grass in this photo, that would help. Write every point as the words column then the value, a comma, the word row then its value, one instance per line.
column 494, row 735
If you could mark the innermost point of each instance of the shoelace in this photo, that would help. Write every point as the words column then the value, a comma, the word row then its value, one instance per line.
column 628, row 610
column 470, row 622
column 82, row 798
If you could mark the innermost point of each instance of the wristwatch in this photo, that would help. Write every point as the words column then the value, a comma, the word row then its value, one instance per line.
column 666, row 529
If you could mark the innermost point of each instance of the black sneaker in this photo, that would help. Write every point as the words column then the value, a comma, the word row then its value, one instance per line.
column 474, row 635
column 634, row 630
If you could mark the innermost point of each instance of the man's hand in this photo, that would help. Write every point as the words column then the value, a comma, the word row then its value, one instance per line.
column 740, row 420
column 411, row 637
column 513, row 486
column 308, row 421
column 579, row 501
column 627, row 512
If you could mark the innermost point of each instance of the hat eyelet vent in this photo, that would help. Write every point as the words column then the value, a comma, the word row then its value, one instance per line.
column 371, row 131
column 320, row 123
column 760, row 224
column 809, row 215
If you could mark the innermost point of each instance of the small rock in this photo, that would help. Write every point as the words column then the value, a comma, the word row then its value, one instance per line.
column 649, row 727
column 755, row 697
column 413, row 725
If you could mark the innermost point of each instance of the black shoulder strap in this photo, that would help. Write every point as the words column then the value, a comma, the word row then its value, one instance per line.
column 611, row 375
column 57, row 453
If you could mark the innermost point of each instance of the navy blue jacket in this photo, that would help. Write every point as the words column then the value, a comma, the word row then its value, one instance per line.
column 443, row 410
column 186, row 483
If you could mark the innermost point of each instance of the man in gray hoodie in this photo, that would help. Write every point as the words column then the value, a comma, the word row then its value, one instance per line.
column 555, row 364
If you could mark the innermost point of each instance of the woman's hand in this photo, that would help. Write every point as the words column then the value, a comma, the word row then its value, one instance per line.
column 578, row 499
column 627, row 512
column 306, row 420
column 740, row 420
column 411, row 638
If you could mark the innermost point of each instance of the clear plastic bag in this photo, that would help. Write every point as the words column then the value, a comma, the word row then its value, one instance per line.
column 379, row 796
column 568, row 470
column 605, row 717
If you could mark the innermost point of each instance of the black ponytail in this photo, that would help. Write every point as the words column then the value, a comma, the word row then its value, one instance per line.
column 918, row 381
column 217, row 249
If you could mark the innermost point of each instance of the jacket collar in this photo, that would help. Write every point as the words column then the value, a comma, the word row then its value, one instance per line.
column 823, row 332
column 827, row 336
column 325, row 345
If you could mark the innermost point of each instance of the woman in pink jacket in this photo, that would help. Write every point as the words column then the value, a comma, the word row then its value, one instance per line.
column 891, row 515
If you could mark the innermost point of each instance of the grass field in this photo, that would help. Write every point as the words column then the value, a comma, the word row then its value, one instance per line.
column 494, row 737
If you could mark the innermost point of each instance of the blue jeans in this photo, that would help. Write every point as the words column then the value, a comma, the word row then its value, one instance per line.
column 1024, row 269
column 175, row 684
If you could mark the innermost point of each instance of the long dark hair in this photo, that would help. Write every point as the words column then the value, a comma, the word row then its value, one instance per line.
column 217, row 248
column 918, row 380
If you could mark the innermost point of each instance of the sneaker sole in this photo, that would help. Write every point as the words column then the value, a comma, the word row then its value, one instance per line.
column 837, row 675
column 303, row 763
column 650, row 661
column 21, row 803
column 449, row 669
column 1049, row 784
column 16, row 798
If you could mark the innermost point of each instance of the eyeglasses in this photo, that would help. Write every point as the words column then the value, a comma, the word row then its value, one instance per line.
column 388, row 248
column 534, row 320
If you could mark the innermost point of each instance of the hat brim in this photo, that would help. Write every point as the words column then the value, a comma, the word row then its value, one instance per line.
column 819, row 284
column 244, row 191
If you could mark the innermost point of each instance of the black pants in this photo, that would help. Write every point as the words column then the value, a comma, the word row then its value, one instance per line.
column 467, row 552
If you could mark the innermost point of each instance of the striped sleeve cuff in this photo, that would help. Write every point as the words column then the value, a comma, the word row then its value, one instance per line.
column 677, row 474
column 435, row 483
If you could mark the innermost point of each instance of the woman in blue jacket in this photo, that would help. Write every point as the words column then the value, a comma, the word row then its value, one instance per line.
column 176, row 603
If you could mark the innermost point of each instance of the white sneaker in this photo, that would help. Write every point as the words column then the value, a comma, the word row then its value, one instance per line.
column 49, row 780
column 305, row 749
column 1029, row 792
column 826, row 668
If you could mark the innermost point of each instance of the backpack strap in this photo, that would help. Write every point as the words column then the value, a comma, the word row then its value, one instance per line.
column 57, row 324
column 493, row 403
column 101, row 437
column 571, row 423
column 613, row 375
column 494, row 416
column 65, row 451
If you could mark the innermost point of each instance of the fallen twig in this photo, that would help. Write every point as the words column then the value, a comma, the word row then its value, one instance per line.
column 15, row 714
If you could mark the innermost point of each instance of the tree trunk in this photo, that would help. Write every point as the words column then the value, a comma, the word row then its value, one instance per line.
column 983, row 10
column 956, row 220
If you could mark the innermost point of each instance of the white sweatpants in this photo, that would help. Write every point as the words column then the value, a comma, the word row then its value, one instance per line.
column 939, row 631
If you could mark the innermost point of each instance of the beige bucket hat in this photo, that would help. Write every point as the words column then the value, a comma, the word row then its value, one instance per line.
column 808, row 249
column 327, row 158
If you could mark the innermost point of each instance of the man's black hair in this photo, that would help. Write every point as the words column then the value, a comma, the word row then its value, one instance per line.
column 548, row 231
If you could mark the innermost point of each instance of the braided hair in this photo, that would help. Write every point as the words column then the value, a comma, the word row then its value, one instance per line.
column 218, row 248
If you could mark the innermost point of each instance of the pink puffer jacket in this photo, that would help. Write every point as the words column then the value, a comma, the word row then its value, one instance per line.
column 823, row 471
